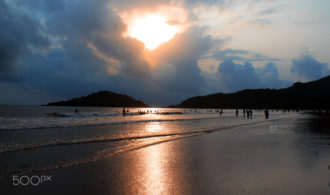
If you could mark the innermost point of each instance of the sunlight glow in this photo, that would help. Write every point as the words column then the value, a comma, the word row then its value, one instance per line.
column 154, row 127
column 152, row 30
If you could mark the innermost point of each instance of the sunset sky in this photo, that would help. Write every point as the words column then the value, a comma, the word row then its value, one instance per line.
column 158, row 51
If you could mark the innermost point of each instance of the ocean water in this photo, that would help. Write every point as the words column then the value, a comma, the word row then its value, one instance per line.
column 40, row 117
column 39, row 138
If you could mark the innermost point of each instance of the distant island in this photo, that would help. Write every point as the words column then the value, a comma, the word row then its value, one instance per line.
column 102, row 99
column 310, row 95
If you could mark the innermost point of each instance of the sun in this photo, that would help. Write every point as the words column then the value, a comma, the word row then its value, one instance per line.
column 152, row 30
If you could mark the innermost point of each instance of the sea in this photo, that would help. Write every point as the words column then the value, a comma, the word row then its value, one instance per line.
column 92, row 133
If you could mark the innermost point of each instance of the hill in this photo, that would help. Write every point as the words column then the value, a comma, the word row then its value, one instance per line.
column 310, row 95
column 102, row 99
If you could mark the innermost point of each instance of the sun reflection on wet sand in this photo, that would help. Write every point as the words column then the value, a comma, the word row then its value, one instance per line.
column 153, row 164
column 155, row 171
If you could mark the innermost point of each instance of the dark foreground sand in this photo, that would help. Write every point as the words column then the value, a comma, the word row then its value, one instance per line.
column 289, row 156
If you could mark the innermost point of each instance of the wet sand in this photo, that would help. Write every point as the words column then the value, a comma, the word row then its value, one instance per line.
column 287, row 156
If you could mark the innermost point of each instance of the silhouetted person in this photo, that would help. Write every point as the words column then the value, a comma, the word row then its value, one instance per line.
column 124, row 112
column 236, row 112
column 266, row 114
column 76, row 110
column 220, row 112
column 251, row 113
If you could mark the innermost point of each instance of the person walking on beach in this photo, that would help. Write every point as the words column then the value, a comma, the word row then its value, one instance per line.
column 124, row 112
column 220, row 112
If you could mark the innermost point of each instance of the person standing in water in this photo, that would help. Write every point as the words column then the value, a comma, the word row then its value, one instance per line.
column 124, row 112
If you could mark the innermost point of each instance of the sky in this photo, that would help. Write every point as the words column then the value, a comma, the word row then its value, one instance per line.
column 158, row 51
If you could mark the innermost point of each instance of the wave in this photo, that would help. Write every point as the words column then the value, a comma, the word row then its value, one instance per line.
column 71, row 124
column 55, row 142
column 97, row 114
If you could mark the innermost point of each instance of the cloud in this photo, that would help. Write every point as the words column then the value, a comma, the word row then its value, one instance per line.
column 262, row 22
column 77, row 35
column 268, row 11
column 309, row 67
column 269, row 77
column 139, row 5
column 241, row 55
column 19, row 36
column 234, row 77
column 182, row 53
column 96, row 24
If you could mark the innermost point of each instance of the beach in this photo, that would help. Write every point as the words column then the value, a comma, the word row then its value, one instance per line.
column 171, row 154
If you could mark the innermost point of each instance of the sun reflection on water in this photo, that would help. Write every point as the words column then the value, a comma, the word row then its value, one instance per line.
column 154, row 127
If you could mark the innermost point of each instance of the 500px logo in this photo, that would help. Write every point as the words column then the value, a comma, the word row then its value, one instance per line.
column 34, row 180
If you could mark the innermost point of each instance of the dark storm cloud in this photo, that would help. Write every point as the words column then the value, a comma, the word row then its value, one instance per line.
column 19, row 34
column 234, row 77
column 309, row 67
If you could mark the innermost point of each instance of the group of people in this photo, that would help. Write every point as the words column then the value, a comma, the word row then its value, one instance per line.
column 147, row 112
column 140, row 112
column 125, row 111
column 248, row 112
